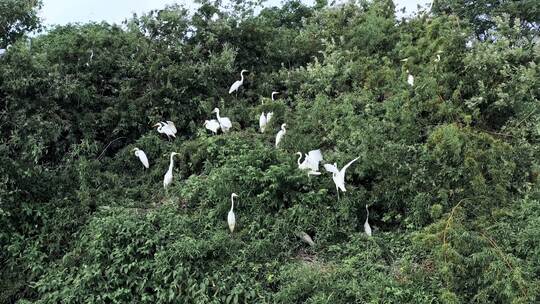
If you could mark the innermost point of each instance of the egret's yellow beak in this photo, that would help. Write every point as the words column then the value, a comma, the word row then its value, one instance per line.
column 156, row 125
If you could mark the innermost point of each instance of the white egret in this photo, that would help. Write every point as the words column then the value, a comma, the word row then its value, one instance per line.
column 274, row 93
column 410, row 78
column 311, row 162
column 280, row 134
column 2, row 52
column 231, row 219
column 142, row 157
column 212, row 125
column 264, row 120
column 167, row 179
column 168, row 128
column 367, row 228
column 339, row 175
column 224, row 122
column 236, row 85
column 438, row 58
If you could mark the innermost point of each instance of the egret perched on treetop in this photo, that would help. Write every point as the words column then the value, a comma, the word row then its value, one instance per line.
column 167, row 179
column 264, row 120
column 142, row 157
column 236, row 85
column 339, row 175
column 168, row 128
column 280, row 134
column 212, row 125
column 311, row 162
column 224, row 122
column 231, row 219
column 367, row 228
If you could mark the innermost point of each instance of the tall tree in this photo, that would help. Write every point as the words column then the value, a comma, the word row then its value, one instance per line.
column 17, row 17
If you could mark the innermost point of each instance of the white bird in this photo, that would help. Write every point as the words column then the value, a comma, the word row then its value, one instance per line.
column 438, row 58
column 142, row 157
column 2, row 52
column 367, row 228
column 264, row 120
column 212, row 125
column 224, row 122
column 231, row 219
column 410, row 79
column 168, row 128
column 274, row 93
column 167, row 179
column 280, row 134
column 237, row 83
column 311, row 162
column 339, row 175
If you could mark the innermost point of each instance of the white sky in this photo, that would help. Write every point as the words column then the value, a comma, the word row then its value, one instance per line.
column 115, row 11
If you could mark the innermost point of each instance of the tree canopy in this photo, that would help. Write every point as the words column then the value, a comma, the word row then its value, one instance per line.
column 448, row 166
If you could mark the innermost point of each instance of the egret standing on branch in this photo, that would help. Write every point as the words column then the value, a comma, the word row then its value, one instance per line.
column 264, row 120
column 367, row 228
column 280, row 134
column 224, row 122
column 212, row 125
column 339, row 175
column 168, row 128
column 236, row 85
column 311, row 162
column 231, row 219
column 142, row 157
column 167, row 179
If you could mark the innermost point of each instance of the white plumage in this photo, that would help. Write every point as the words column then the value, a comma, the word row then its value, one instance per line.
column 142, row 157
column 168, row 178
column 264, row 120
column 339, row 175
column 231, row 218
column 280, row 134
column 274, row 93
column 236, row 85
column 168, row 128
column 410, row 79
column 224, row 122
column 212, row 125
column 311, row 162
column 367, row 228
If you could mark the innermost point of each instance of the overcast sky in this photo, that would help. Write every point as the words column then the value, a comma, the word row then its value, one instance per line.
column 115, row 11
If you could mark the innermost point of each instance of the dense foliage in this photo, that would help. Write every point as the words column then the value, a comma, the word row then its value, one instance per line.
column 449, row 166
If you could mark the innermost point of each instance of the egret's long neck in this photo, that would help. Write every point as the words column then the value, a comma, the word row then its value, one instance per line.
column 232, row 203
column 367, row 217
column 217, row 115
column 172, row 163
column 242, row 76
column 299, row 157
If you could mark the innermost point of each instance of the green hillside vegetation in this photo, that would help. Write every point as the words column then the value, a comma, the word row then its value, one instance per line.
column 448, row 166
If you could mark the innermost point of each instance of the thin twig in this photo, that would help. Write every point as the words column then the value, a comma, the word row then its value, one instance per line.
column 99, row 157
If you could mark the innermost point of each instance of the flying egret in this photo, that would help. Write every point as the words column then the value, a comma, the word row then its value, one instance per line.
column 274, row 93
column 311, row 162
column 142, row 157
column 224, row 122
column 167, row 179
column 280, row 134
column 168, row 128
column 410, row 78
column 236, row 85
column 367, row 228
column 339, row 175
column 212, row 125
column 231, row 219
column 264, row 120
